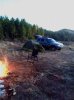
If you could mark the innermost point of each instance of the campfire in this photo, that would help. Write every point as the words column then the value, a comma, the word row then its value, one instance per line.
column 3, row 68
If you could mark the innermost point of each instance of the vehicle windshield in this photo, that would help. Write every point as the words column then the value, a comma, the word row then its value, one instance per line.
column 51, row 40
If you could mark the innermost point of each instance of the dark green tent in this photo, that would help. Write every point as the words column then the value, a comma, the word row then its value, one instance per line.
column 30, row 44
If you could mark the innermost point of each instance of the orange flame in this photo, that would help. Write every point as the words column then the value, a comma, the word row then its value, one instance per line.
column 3, row 68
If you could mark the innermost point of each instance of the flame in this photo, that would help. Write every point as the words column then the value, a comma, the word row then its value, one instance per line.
column 3, row 68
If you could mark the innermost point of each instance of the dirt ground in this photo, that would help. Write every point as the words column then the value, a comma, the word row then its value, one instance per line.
column 49, row 78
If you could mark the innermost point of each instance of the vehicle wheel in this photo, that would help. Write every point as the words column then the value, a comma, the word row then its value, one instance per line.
column 53, row 48
column 59, row 48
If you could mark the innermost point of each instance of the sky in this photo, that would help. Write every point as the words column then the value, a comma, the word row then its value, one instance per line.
column 49, row 14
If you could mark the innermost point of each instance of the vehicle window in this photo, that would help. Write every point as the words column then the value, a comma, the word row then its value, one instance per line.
column 51, row 40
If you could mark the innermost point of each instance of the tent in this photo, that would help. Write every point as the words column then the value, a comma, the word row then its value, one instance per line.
column 30, row 44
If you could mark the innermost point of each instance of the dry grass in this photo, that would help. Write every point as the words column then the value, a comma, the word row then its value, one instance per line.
column 51, row 78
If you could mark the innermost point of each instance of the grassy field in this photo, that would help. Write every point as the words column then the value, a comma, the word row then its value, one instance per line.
column 49, row 78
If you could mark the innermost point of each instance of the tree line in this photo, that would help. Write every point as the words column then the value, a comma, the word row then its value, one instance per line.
column 12, row 29
column 62, row 35
column 18, row 29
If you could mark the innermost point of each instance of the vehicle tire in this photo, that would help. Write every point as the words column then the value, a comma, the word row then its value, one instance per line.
column 59, row 48
column 53, row 48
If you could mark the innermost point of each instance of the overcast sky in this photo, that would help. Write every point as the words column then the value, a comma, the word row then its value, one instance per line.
column 50, row 14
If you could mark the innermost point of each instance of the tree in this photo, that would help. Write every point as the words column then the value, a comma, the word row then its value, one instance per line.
column 34, row 30
column 29, row 32
column 17, row 26
column 12, row 29
column 6, row 25
column 22, row 29
column 1, row 32
column 40, row 31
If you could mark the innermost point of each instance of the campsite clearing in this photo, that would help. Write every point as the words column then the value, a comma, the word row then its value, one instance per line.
column 50, row 78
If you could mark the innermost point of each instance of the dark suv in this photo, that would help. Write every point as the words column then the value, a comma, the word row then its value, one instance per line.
column 49, row 43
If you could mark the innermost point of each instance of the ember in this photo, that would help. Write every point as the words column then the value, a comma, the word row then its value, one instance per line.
column 3, row 68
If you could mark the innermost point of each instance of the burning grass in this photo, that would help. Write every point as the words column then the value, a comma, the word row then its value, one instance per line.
column 3, row 68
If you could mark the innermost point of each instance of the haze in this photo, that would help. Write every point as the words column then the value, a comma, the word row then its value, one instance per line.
column 49, row 14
